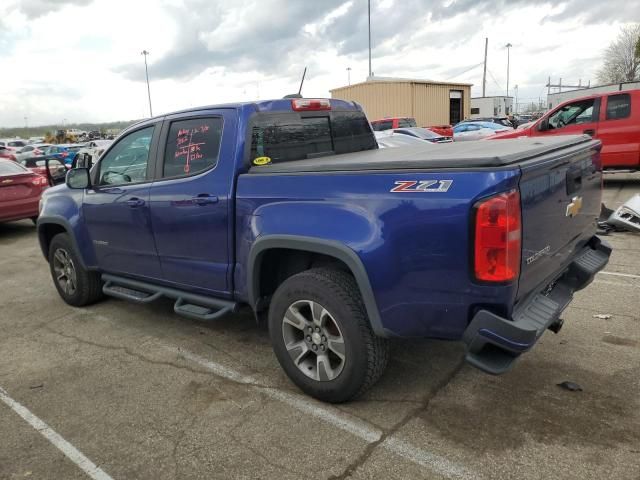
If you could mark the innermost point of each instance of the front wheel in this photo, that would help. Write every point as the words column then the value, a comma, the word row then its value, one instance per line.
column 322, row 337
column 76, row 285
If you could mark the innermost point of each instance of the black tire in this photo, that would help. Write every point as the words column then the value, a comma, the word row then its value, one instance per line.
column 365, row 354
column 34, row 220
column 87, row 285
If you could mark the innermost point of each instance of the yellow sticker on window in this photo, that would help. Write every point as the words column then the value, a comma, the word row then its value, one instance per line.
column 261, row 160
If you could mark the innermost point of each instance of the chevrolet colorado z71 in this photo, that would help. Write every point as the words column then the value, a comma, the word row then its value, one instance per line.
column 288, row 207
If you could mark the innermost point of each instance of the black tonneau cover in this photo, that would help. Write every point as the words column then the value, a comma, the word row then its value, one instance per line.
column 470, row 154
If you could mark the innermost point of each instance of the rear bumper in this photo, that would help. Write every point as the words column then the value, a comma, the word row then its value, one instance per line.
column 494, row 343
column 19, row 209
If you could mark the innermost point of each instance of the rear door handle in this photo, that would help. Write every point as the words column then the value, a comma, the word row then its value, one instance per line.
column 135, row 202
column 205, row 199
column 589, row 131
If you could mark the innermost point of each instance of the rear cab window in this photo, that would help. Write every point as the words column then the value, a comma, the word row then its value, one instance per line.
column 406, row 122
column 381, row 125
column 193, row 146
column 618, row 106
column 283, row 137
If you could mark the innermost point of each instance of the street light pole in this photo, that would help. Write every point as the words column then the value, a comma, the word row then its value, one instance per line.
column 369, row 15
column 349, row 75
column 508, row 45
column 146, row 71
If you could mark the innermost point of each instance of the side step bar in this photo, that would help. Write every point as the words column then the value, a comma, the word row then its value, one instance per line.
column 190, row 305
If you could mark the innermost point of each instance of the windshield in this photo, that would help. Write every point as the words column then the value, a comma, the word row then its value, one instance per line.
column 422, row 133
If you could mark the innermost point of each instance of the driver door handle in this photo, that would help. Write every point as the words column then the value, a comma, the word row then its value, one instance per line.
column 590, row 131
column 135, row 202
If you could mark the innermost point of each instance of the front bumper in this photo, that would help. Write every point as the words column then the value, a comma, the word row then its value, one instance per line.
column 494, row 343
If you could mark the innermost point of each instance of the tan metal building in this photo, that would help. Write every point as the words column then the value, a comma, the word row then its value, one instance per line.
column 429, row 102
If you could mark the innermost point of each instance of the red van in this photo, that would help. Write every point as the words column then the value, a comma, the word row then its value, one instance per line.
column 612, row 117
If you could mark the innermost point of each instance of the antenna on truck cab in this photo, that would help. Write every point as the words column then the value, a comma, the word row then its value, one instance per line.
column 299, row 94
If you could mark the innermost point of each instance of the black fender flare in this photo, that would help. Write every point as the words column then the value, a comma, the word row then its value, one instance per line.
column 64, row 223
column 330, row 248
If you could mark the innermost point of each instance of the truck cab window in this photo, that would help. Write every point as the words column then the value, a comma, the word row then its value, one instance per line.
column 289, row 137
column 127, row 161
column 618, row 106
column 193, row 146
column 572, row 114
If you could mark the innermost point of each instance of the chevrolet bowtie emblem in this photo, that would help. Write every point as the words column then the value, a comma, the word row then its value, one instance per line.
column 574, row 207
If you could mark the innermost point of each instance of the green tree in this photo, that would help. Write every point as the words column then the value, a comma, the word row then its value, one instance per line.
column 621, row 62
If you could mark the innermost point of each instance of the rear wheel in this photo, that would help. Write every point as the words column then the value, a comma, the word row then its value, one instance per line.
column 322, row 337
column 76, row 285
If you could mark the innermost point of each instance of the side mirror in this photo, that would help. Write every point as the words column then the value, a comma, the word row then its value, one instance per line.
column 543, row 125
column 84, row 161
column 78, row 178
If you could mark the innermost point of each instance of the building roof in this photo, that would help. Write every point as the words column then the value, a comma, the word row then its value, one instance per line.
column 372, row 80
column 595, row 87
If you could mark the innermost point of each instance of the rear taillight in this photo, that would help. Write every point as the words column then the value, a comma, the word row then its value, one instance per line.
column 12, row 157
column 37, row 152
column 498, row 238
column 310, row 104
column 64, row 154
column 40, row 181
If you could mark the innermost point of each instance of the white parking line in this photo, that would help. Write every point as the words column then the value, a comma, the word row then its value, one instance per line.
column 60, row 443
column 337, row 418
column 616, row 284
column 629, row 275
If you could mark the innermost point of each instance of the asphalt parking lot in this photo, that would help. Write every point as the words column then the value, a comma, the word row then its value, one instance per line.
column 131, row 391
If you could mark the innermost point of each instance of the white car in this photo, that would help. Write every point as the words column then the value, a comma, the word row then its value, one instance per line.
column 391, row 139
column 465, row 131
column 12, row 143
column 30, row 151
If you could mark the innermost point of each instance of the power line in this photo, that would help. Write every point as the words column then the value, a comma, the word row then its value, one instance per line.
column 465, row 71
column 494, row 80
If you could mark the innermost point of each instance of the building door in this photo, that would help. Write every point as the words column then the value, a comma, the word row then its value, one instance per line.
column 455, row 106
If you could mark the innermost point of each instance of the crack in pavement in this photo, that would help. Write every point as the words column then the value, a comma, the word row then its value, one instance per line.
column 385, row 438
column 348, row 423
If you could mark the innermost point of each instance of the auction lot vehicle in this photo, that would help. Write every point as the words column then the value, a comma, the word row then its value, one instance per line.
column 289, row 207
column 20, row 191
column 472, row 130
column 612, row 117
column 393, row 123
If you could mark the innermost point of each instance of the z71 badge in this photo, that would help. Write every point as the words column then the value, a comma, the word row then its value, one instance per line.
column 425, row 186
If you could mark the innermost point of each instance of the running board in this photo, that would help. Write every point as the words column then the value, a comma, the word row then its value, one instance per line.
column 190, row 305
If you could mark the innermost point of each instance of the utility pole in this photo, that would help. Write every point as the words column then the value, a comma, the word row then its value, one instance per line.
column 349, row 75
column 508, row 45
column 515, row 108
column 26, row 124
column 484, row 74
column 146, row 71
column 369, row 14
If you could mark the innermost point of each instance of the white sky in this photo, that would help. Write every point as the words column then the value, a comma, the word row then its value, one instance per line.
column 80, row 60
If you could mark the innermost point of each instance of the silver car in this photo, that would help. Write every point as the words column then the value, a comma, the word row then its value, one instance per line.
column 476, row 130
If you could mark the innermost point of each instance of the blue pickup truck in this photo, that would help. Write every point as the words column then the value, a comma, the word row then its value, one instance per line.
column 289, row 208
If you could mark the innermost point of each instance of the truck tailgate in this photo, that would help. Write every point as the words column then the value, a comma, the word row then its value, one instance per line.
column 560, row 196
